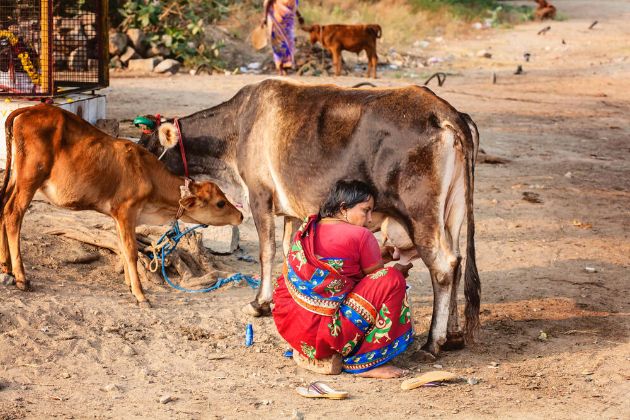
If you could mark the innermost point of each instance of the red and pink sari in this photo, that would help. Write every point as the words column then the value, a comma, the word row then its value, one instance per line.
column 319, row 311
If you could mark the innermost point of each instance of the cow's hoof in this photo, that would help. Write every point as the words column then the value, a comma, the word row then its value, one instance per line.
column 7, row 279
column 145, row 304
column 23, row 285
column 454, row 341
column 255, row 309
column 432, row 348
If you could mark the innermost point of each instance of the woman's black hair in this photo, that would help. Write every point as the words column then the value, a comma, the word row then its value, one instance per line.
column 346, row 194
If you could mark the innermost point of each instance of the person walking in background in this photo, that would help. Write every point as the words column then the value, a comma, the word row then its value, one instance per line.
column 280, row 20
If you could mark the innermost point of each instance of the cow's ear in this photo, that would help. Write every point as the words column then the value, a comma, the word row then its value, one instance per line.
column 168, row 135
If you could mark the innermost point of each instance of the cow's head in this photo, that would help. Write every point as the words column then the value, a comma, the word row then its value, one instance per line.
column 205, row 203
column 157, row 137
column 314, row 32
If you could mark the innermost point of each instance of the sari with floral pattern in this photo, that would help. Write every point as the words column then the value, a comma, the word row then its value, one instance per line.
column 319, row 311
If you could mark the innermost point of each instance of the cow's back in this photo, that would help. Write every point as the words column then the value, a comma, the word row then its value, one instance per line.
column 324, row 133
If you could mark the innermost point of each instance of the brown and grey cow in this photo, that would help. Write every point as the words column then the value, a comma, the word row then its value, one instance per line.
column 79, row 167
column 281, row 145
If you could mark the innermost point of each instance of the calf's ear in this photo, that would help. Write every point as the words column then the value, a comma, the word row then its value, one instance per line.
column 167, row 134
column 188, row 202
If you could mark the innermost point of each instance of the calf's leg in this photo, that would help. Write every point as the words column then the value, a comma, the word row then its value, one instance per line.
column 12, row 216
column 336, row 55
column 126, row 225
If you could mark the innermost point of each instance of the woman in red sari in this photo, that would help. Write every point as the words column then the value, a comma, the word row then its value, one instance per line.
column 335, row 297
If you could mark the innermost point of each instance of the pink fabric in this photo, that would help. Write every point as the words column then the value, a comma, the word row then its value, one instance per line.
column 355, row 245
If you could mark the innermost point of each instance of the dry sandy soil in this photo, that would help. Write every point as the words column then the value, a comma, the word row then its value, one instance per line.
column 78, row 347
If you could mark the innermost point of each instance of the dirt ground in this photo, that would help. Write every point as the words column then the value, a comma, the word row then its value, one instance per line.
column 554, row 342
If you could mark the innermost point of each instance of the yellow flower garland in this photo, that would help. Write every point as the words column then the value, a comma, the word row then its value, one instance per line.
column 27, row 65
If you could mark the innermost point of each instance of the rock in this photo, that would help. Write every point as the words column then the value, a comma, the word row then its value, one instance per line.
column 472, row 381
column 129, row 351
column 129, row 54
column 254, row 66
column 7, row 279
column 145, row 65
column 79, row 256
column 117, row 43
column 568, row 175
column 65, row 375
column 221, row 239
column 136, row 38
column 542, row 336
column 78, row 59
column 484, row 54
column 590, row 270
column 532, row 197
column 115, row 63
column 110, row 126
column 158, row 50
column 165, row 399
column 169, row 65
column 437, row 366
column 110, row 388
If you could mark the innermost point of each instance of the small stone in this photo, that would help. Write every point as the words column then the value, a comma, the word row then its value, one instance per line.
column 110, row 388
column 472, row 381
column 254, row 66
column 542, row 336
column 168, row 66
column 165, row 399
column 129, row 351
column 568, row 175
column 117, row 43
column 145, row 65
column 590, row 270
column 7, row 279
column 437, row 366
column 484, row 54
column 129, row 54
column 587, row 372
column 65, row 375
column 136, row 37
column 494, row 364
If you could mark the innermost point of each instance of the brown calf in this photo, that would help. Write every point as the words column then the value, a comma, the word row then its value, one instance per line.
column 544, row 10
column 81, row 168
column 354, row 38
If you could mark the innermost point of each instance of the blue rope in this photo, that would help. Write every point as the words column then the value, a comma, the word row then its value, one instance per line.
column 174, row 235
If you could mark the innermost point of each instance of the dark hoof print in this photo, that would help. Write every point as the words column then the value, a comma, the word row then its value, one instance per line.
column 423, row 356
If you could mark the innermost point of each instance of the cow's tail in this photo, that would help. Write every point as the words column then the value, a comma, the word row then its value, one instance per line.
column 8, row 131
column 376, row 30
column 472, row 283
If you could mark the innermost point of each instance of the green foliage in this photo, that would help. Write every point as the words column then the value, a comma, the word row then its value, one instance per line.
column 177, row 25
column 475, row 9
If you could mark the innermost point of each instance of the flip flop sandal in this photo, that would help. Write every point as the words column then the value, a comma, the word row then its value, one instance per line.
column 321, row 390
column 434, row 376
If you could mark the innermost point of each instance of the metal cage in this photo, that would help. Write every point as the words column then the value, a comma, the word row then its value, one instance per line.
column 52, row 47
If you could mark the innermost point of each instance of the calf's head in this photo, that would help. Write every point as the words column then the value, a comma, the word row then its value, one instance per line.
column 314, row 32
column 205, row 203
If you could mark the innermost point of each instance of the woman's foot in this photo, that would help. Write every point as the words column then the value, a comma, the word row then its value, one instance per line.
column 383, row 372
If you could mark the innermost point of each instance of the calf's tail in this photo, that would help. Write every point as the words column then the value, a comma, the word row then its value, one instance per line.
column 8, row 131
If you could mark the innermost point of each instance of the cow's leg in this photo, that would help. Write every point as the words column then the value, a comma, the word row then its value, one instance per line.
column 261, row 203
column 291, row 225
column 126, row 225
column 5, row 255
column 372, row 62
column 336, row 55
column 12, row 216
